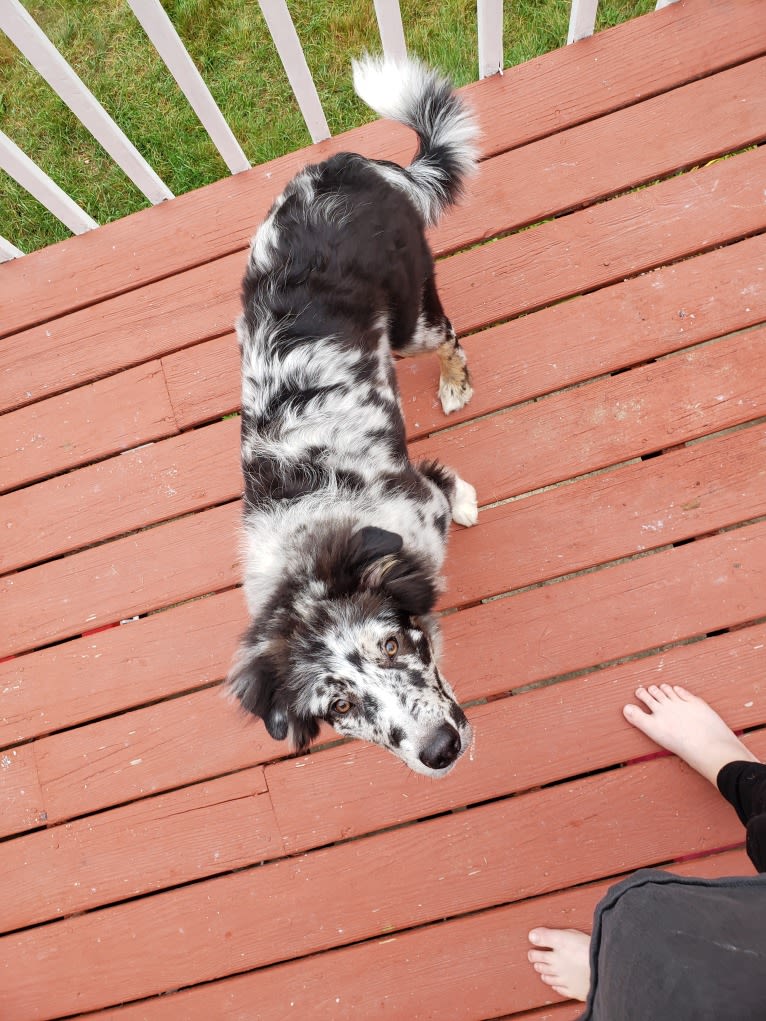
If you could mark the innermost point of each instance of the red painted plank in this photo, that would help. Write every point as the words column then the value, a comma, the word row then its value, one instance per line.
column 599, row 617
column 187, row 835
column 204, row 381
column 644, row 142
column 605, row 243
column 677, row 399
column 552, row 348
column 456, row 864
column 164, row 316
column 142, row 487
column 171, row 237
column 674, row 400
column 666, row 503
column 535, row 635
column 569, row 1011
column 659, row 312
column 460, row 970
column 83, row 425
column 20, row 793
column 691, row 491
column 538, row 737
column 585, row 343
column 141, row 572
column 150, row 750
column 143, row 661
column 643, row 505
column 610, row 241
column 190, row 472
column 668, row 48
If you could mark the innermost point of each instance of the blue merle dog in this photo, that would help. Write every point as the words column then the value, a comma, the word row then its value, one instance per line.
column 344, row 537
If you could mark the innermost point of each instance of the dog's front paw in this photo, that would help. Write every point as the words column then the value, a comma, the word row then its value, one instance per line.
column 465, row 506
column 454, row 394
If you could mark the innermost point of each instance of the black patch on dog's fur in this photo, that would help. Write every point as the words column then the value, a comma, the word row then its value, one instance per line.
column 344, row 537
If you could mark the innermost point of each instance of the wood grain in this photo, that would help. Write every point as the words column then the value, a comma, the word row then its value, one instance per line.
column 617, row 439
column 588, row 249
column 651, row 408
column 605, row 243
column 537, row 353
column 192, row 833
column 20, row 792
column 460, row 970
column 673, row 401
column 83, row 425
column 538, row 634
column 456, row 864
column 539, row 737
column 668, row 48
column 123, row 494
column 605, row 156
column 690, row 492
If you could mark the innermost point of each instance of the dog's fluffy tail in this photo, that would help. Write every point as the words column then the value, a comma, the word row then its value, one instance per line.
column 411, row 93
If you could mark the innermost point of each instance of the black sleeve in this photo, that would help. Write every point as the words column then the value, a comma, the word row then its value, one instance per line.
column 743, row 784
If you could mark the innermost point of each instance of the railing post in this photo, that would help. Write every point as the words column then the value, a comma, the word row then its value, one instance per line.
column 8, row 251
column 294, row 61
column 23, row 170
column 163, row 35
column 582, row 20
column 27, row 35
column 389, row 15
column 489, row 15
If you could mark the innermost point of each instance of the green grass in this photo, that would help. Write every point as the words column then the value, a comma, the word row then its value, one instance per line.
column 231, row 46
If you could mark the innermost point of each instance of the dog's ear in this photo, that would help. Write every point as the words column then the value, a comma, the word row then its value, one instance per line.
column 410, row 584
column 404, row 576
column 371, row 544
column 254, row 681
column 346, row 558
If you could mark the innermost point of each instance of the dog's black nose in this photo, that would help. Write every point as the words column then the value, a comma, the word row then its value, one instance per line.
column 442, row 749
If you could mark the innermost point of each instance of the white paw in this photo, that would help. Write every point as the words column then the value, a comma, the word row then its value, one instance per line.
column 465, row 507
column 454, row 396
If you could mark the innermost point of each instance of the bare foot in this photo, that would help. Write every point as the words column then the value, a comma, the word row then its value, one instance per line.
column 687, row 726
column 566, row 966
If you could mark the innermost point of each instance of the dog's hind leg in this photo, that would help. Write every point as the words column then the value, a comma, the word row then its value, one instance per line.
column 461, row 496
column 434, row 332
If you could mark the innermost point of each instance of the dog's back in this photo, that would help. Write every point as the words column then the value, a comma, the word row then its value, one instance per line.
column 344, row 538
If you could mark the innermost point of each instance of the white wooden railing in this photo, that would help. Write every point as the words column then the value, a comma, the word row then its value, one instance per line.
column 29, row 38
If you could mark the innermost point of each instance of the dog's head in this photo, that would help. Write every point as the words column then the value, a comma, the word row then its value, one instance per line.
column 349, row 639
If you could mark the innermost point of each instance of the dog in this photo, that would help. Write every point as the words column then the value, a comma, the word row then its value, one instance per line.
column 344, row 538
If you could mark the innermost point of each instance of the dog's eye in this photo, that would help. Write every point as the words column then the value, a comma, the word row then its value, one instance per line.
column 391, row 647
column 341, row 706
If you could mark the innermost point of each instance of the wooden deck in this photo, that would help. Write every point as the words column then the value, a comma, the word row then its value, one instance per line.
column 162, row 853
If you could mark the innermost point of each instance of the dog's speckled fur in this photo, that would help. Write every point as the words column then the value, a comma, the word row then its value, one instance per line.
column 344, row 537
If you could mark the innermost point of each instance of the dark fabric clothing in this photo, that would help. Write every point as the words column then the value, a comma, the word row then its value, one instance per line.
column 743, row 784
column 672, row 948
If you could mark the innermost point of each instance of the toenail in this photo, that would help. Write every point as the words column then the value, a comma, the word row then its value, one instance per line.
column 534, row 937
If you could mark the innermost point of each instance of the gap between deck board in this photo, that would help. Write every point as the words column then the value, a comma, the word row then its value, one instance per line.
column 618, row 612
column 617, row 418
column 455, row 864
column 346, row 792
column 101, row 675
column 557, row 347
column 484, row 952
column 43, row 368
column 669, row 48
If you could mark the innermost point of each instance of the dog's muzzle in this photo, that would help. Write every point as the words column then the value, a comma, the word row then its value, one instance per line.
column 444, row 746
